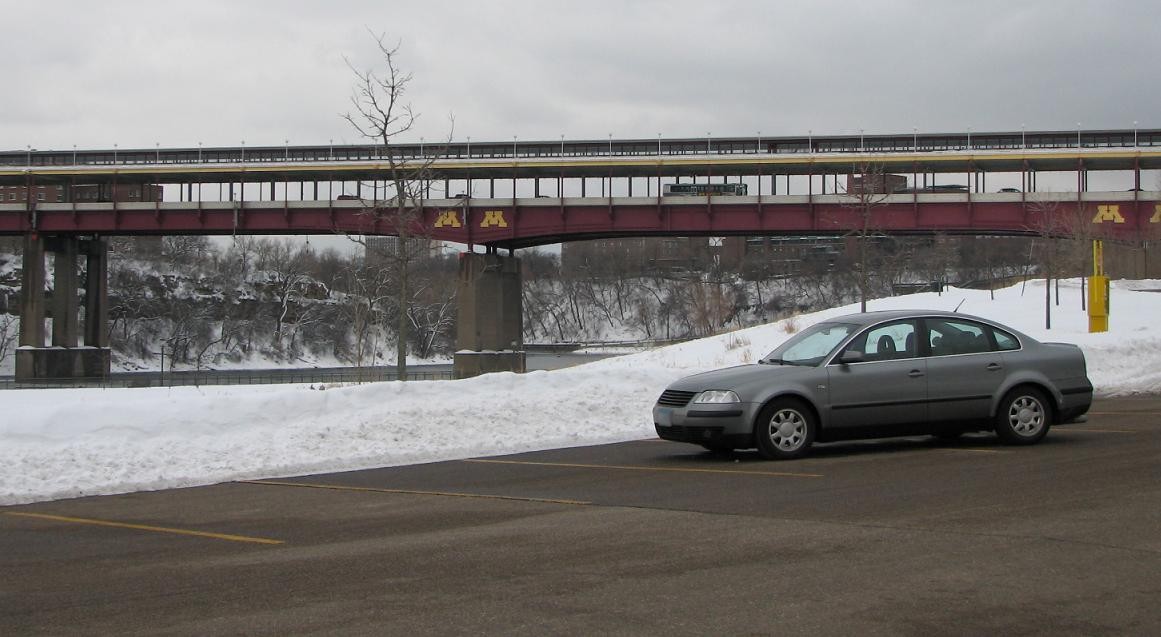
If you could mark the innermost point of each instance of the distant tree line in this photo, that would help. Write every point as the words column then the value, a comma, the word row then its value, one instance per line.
column 283, row 301
column 274, row 299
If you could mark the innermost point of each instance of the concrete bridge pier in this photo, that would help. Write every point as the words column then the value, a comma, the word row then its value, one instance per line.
column 490, row 329
column 64, row 358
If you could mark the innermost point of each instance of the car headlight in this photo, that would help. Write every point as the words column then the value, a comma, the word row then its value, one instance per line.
column 717, row 396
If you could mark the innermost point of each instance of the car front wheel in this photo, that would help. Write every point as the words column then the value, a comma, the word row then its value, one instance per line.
column 1023, row 417
column 785, row 429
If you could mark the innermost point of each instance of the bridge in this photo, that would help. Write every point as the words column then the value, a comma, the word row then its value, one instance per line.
column 557, row 191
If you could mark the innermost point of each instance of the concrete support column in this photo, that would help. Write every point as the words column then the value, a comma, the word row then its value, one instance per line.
column 490, row 323
column 31, row 303
column 64, row 359
column 96, row 328
column 64, row 294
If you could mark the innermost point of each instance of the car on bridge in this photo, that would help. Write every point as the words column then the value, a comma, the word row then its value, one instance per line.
column 880, row 374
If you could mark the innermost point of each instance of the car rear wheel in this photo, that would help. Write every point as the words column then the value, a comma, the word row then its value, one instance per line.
column 785, row 429
column 1023, row 417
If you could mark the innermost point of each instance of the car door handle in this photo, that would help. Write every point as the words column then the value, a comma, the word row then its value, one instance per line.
column 915, row 373
column 992, row 367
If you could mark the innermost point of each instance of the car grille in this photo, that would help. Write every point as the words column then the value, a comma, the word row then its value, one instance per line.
column 673, row 398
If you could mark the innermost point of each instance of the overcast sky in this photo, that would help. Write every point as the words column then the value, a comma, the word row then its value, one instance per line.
column 136, row 73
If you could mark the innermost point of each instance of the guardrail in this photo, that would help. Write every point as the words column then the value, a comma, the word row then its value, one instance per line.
column 241, row 377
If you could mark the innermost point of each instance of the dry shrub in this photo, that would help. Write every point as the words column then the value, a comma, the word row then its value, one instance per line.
column 734, row 342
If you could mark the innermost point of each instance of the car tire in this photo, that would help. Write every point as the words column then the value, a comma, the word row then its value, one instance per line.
column 785, row 429
column 1023, row 416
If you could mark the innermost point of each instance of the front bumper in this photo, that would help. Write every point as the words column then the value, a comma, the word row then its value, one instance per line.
column 717, row 424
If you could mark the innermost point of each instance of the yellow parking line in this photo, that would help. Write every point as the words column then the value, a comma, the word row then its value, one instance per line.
column 446, row 494
column 144, row 527
column 633, row 468
column 1099, row 431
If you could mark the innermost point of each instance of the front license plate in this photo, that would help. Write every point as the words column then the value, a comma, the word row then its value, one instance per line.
column 663, row 416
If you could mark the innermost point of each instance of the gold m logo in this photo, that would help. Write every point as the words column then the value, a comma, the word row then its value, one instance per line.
column 1156, row 218
column 493, row 218
column 448, row 218
column 1108, row 213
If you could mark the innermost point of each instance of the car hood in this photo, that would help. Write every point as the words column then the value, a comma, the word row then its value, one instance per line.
column 740, row 376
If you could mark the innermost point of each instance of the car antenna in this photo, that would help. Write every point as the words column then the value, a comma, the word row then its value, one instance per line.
column 957, row 305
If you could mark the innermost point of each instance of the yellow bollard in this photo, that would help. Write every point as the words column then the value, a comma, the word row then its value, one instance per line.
column 1098, row 291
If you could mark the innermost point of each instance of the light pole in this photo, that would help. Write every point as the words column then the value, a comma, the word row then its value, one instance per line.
column 610, row 144
column 707, row 142
column 114, row 154
column 157, row 156
column 421, row 147
column 29, row 160
column 469, row 155
column 332, row 150
column 75, row 154
column 199, row 152
column 759, row 149
column 1023, row 133
column 861, row 147
column 914, row 139
column 286, row 150
column 513, row 147
column 243, row 151
column 1134, row 133
column 810, row 141
column 1078, row 135
column 562, row 144
column 658, row 144
column 969, row 141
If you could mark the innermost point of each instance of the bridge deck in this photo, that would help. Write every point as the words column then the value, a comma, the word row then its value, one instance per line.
column 597, row 166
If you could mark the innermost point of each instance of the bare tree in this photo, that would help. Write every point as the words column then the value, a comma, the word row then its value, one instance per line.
column 285, row 276
column 369, row 290
column 381, row 116
column 8, row 329
column 1047, row 218
column 867, row 189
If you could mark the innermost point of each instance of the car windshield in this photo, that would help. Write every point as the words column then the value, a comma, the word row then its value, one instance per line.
column 810, row 346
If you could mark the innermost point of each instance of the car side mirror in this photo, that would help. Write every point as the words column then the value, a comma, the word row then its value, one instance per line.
column 851, row 356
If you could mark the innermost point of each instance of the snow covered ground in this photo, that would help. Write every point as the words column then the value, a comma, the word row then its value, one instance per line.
column 75, row 442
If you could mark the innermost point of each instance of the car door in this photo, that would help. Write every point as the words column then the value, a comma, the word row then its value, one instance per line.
column 887, row 387
column 964, row 371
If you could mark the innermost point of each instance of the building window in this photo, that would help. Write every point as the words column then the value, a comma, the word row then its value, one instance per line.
column 40, row 196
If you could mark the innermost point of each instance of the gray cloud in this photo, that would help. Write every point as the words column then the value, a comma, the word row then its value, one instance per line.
column 137, row 73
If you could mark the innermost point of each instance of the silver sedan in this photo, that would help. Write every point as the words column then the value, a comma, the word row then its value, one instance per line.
column 882, row 374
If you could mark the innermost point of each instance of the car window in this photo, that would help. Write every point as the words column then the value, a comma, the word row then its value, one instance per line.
column 890, row 341
column 1004, row 340
column 810, row 346
column 952, row 336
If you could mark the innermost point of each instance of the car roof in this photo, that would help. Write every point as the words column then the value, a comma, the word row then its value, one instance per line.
column 869, row 318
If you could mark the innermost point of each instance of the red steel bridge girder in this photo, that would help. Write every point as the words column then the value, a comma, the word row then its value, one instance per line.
column 551, row 222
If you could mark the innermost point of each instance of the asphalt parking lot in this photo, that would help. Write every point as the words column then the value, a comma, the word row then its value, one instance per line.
column 894, row 537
